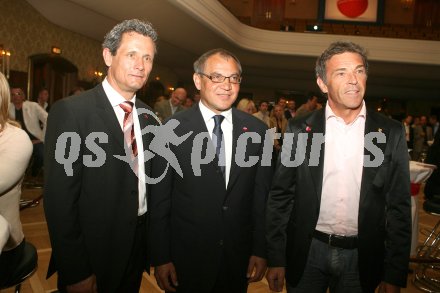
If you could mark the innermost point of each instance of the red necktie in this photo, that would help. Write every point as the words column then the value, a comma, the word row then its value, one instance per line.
column 128, row 129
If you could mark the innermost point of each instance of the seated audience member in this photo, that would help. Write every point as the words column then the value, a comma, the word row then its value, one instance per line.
column 246, row 105
column 15, row 152
column 32, row 119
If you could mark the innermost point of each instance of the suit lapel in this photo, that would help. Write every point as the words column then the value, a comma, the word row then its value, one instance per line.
column 237, row 130
column 368, row 173
column 193, row 121
column 315, row 124
column 107, row 114
column 145, row 119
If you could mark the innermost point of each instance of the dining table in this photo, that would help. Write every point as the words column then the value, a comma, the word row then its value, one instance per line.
column 419, row 173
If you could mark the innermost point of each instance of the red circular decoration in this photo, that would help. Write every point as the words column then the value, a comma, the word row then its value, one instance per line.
column 352, row 8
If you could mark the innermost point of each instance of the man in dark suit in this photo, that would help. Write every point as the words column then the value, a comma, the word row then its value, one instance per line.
column 96, row 203
column 207, row 227
column 341, row 219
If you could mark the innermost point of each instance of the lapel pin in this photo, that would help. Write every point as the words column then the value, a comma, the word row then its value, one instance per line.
column 245, row 128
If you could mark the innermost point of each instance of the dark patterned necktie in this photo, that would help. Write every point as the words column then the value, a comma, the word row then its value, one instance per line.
column 219, row 151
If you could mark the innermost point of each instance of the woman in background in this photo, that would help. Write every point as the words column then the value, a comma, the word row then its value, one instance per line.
column 247, row 105
column 15, row 152
column 279, row 122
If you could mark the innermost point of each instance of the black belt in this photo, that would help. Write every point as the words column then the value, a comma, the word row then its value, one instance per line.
column 346, row 242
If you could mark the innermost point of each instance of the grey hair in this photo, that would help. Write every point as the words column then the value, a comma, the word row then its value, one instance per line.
column 112, row 39
column 335, row 49
column 199, row 64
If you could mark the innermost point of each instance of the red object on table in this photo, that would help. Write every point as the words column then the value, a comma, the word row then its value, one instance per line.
column 415, row 188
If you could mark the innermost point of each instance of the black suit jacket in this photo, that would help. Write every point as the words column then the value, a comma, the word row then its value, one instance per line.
column 196, row 221
column 384, row 223
column 91, row 215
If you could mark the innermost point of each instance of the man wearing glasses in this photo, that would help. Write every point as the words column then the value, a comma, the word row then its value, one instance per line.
column 207, row 231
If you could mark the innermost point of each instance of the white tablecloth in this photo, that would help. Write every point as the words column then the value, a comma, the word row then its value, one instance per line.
column 419, row 173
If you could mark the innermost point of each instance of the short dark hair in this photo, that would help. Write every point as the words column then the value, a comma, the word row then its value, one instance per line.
column 112, row 39
column 337, row 48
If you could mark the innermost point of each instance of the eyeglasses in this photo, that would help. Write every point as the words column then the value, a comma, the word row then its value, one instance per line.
column 218, row 78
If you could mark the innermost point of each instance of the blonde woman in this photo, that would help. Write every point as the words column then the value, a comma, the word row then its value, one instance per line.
column 15, row 152
column 247, row 105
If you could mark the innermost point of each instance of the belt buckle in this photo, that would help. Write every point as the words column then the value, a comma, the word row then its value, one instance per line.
column 330, row 239
column 333, row 238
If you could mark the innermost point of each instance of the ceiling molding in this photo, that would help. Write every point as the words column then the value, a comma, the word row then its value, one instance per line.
column 213, row 14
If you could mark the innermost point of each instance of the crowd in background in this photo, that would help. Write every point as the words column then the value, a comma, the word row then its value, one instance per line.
column 420, row 132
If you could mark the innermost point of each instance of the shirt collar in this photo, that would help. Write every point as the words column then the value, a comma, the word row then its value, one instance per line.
column 114, row 97
column 208, row 113
column 330, row 114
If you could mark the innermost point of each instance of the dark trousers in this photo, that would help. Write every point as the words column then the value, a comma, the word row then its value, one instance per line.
column 131, row 282
column 329, row 267
column 38, row 158
column 226, row 282
column 8, row 261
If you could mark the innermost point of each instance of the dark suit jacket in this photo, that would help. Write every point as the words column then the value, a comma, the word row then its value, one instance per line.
column 432, row 187
column 91, row 215
column 196, row 221
column 384, row 224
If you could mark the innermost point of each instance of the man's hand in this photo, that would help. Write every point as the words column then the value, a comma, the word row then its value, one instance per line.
column 85, row 286
column 164, row 274
column 259, row 264
column 388, row 288
column 275, row 278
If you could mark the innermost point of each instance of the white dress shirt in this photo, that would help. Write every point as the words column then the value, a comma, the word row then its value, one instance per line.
column 227, row 127
column 173, row 108
column 115, row 99
column 342, row 176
